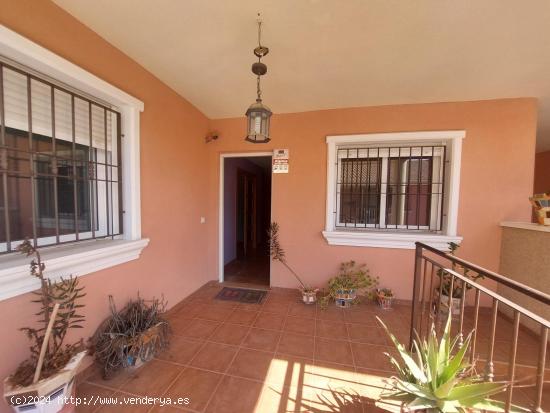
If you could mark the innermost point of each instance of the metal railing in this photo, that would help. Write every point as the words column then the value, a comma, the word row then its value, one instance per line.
column 443, row 283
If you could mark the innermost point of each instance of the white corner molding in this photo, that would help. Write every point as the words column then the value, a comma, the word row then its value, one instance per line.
column 529, row 226
column 389, row 239
column 75, row 259
column 394, row 239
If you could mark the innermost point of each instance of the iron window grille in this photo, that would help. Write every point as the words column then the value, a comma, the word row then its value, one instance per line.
column 391, row 188
column 60, row 163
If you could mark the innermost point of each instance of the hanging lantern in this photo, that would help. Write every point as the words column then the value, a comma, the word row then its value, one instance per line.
column 258, row 114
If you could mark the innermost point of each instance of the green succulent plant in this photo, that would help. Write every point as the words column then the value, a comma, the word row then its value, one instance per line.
column 436, row 377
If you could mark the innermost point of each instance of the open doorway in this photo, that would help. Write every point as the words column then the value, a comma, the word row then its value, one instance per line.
column 246, row 219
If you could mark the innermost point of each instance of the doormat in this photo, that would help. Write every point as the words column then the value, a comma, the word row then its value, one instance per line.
column 242, row 295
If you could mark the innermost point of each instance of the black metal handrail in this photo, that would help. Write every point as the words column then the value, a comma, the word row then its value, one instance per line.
column 432, row 299
column 517, row 286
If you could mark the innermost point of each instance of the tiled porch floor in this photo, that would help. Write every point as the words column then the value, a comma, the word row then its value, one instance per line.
column 280, row 356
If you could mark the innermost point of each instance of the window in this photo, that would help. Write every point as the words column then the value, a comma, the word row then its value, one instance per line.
column 390, row 190
column 94, row 221
column 60, row 163
column 400, row 187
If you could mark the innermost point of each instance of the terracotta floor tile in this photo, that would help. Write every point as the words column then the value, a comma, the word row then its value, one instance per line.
column 167, row 409
column 179, row 324
column 260, row 339
column 299, row 325
column 361, row 317
column 273, row 370
column 325, row 376
column 302, row 310
column 277, row 308
column 286, row 370
column 228, row 333
column 235, row 395
column 330, row 313
column 270, row 321
column 274, row 298
column 114, row 382
column 189, row 310
column 363, row 333
column 251, row 364
column 122, row 407
column 280, row 399
column 152, row 379
column 370, row 356
column 335, row 351
column 215, row 313
column 250, row 306
column 215, row 357
column 244, row 317
column 296, row 345
column 200, row 329
column 331, row 329
column 197, row 385
column 180, row 350
column 87, row 393
column 332, row 401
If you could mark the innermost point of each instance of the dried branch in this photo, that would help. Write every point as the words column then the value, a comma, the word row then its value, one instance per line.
column 138, row 331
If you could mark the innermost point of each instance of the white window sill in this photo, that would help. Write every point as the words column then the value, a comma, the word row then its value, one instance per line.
column 63, row 260
column 388, row 239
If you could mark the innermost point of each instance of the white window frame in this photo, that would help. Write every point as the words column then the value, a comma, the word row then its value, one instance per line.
column 85, row 256
column 396, row 238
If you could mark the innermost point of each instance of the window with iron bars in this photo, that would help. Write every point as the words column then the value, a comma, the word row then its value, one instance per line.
column 390, row 188
column 60, row 163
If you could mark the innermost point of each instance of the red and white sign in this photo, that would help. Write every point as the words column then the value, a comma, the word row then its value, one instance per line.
column 280, row 161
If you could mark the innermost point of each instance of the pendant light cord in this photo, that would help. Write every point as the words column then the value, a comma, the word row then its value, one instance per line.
column 258, row 90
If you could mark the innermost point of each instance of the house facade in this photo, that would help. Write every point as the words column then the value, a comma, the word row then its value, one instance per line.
column 487, row 180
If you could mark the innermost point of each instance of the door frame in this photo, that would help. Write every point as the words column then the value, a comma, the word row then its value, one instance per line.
column 223, row 156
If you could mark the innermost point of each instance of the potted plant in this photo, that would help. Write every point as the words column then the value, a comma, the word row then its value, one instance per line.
column 43, row 381
column 385, row 297
column 131, row 336
column 445, row 281
column 541, row 204
column 351, row 280
column 309, row 293
column 436, row 377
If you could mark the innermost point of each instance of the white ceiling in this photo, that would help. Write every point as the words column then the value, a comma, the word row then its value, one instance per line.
column 335, row 53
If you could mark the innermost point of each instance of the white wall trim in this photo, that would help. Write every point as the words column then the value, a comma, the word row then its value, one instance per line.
column 223, row 156
column 63, row 260
column 529, row 226
column 26, row 52
column 397, row 137
column 390, row 239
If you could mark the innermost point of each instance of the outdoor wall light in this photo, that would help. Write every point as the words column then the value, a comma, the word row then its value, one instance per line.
column 258, row 114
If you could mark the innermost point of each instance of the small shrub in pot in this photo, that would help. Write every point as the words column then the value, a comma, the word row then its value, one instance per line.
column 351, row 280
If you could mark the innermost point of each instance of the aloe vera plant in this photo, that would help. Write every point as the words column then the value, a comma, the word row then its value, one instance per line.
column 436, row 377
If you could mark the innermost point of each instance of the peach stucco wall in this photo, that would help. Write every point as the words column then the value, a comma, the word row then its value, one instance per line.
column 496, row 180
column 542, row 172
column 173, row 194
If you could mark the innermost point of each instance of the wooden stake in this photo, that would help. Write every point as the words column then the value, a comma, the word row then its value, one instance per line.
column 53, row 316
